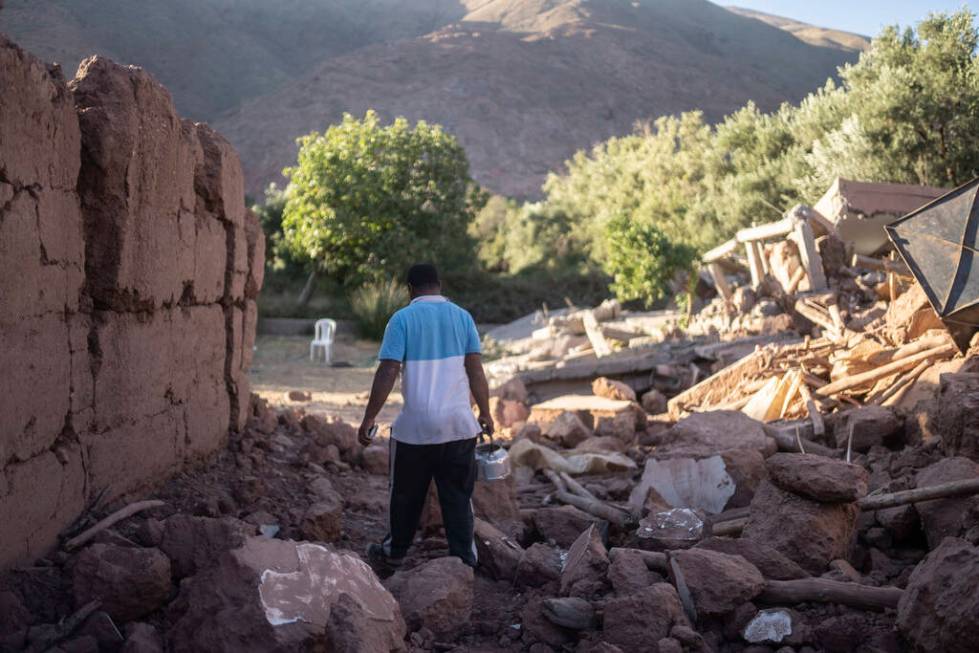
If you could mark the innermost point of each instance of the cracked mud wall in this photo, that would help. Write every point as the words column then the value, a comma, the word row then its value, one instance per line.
column 129, row 268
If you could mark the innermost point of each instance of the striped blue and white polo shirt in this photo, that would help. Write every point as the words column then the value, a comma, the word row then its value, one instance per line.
column 431, row 337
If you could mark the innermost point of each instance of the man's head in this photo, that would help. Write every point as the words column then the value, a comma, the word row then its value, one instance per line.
column 423, row 279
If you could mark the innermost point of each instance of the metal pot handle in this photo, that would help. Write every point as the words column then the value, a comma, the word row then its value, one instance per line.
column 483, row 434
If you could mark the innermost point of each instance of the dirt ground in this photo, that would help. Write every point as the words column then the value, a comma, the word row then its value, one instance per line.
column 281, row 364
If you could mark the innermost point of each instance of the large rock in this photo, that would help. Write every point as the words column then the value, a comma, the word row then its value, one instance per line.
column 718, row 582
column 586, row 567
column 437, row 595
column 769, row 562
column 939, row 611
column 541, row 564
column 871, row 425
column 499, row 556
column 508, row 413
column 807, row 532
column 943, row 518
column 130, row 582
column 278, row 595
column 715, row 431
column 568, row 430
column 562, row 524
column 196, row 543
column 817, row 477
column 955, row 421
column 634, row 622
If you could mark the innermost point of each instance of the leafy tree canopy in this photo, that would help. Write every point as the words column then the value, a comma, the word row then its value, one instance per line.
column 366, row 200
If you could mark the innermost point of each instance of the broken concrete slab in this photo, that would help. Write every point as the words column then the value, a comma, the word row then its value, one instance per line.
column 702, row 484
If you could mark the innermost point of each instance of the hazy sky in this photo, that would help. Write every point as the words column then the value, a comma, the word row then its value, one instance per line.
column 861, row 16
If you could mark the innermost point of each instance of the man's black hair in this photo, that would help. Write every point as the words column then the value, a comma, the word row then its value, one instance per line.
column 422, row 276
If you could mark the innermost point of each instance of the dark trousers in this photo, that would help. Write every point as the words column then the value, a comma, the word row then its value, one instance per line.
column 453, row 467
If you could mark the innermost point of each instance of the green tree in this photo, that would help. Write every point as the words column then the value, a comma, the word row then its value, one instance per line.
column 366, row 199
column 642, row 261
column 913, row 108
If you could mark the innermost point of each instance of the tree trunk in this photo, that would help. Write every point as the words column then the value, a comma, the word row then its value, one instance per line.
column 307, row 291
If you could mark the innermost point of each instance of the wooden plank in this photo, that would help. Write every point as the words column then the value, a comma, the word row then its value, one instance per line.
column 595, row 335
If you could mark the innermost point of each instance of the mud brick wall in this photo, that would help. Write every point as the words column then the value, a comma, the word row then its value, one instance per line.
column 129, row 268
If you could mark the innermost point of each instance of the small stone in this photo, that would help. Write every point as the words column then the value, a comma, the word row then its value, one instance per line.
column 669, row 645
column 323, row 521
column 300, row 396
column 612, row 389
column 628, row 572
column 654, row 402
column 142, row 638
column 871, row 425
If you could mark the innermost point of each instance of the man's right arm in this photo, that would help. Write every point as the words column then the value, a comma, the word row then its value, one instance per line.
column 384, row 379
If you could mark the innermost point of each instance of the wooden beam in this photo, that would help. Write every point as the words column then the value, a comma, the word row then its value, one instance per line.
column 910, row 362
column 721, row 251
column 811, row 260
column 720, row 281
column 766, row 231
column 968, row 487
column 595, row 335
column 754, row 264
column 823, row 590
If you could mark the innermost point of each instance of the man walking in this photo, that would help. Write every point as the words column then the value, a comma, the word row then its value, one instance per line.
column 434, row 344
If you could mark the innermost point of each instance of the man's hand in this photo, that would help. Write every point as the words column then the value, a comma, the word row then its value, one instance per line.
column 487, row 423
column 363, row 433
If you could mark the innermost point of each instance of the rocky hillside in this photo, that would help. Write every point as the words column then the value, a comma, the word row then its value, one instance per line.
column 522, row 83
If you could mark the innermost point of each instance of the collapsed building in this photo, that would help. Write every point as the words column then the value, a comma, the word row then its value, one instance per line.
column 795, row 469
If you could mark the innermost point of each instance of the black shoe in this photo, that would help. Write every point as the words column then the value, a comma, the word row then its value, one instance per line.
column 381, row 562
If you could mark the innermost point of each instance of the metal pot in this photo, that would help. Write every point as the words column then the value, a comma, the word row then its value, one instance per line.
column 492, row 461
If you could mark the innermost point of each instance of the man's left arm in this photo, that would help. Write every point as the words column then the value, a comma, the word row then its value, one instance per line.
column 480, row 390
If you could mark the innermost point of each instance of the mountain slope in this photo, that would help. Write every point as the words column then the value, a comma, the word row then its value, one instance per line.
column 522, row 83
column 214, row 54
column 819, row 36
column 526, row 83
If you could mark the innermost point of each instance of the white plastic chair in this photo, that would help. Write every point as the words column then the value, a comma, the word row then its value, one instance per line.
column 323, row 340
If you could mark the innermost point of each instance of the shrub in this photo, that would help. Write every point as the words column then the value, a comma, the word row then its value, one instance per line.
column 374, row 304
column 642, row 261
